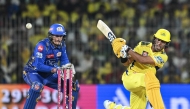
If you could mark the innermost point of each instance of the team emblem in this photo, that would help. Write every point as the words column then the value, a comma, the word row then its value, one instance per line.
column 59, row 29
column 40, row 48
column 58, row 54
column 145, row 53
column 163, row 34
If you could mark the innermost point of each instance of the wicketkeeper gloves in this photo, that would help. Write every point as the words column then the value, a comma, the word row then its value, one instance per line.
column 69, row 66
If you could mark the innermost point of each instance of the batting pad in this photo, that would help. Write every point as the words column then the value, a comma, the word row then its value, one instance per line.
column 153, row 91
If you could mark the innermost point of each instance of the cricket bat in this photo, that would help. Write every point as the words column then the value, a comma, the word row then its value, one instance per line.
column 105, row 30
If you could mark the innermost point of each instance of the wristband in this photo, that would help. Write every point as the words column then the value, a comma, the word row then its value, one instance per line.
column 128, row 49
column 123, row 60
column 53, row 70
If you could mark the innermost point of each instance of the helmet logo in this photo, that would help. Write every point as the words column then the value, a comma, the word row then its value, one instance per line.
column 163, row 34
column 60, row 29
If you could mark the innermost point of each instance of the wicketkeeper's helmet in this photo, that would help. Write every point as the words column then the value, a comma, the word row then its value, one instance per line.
column 57, row 30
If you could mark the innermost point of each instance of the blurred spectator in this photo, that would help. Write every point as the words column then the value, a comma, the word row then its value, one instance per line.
column 85, row 63
column 131, row 19
column 90, row 76
column 171, row 73
column 39, row 34
column 6, row 67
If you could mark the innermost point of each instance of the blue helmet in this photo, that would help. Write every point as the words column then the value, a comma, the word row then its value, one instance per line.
column 57, row 29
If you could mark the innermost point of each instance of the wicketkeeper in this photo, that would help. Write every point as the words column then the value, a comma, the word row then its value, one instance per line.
column 41, row 69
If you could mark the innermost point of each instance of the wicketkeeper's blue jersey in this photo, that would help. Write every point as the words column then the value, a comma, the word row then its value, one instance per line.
column 46, row 56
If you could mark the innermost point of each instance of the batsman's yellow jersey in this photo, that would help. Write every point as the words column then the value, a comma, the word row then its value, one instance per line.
column 144, row 49
column 134, row 78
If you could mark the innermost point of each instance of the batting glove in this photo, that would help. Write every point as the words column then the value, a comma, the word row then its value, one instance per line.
column 124, row 51
column 117, row 45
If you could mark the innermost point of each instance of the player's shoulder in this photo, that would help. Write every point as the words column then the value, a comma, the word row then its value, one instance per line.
column 63, row 44
column 163, row 52
column 162, row 55
column 144, row 43
column 43, row 41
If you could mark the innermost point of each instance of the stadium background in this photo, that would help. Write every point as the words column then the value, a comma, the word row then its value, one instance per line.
column 89, row 50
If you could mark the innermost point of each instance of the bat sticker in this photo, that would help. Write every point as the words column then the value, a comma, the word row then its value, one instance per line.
column 111, row 37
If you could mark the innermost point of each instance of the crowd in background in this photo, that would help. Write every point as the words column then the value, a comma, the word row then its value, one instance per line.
column 88, row 49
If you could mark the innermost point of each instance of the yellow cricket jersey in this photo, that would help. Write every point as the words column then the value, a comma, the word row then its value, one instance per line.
column 144, row 48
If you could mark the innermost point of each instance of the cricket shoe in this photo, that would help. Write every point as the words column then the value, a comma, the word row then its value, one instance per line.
column 108, row 104
column 111, row 105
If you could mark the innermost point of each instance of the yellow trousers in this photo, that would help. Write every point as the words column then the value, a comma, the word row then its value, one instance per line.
column 134, row 82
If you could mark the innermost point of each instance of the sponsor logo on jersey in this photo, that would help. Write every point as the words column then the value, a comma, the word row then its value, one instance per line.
column 159, row 59
column 145, row 53
column 40, row 48
column 50, row 56
column 58, row 54
column 39, row 55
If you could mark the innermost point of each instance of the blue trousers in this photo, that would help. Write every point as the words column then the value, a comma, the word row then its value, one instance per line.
column 50, row 80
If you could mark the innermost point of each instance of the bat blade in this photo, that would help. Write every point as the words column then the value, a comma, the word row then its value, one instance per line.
column 105, row 30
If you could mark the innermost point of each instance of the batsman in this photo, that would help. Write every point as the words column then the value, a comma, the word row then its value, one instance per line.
column 48, row 56
column 142, row 63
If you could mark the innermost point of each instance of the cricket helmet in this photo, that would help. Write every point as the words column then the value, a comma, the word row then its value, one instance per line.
column 163, row 34
column 57, row 29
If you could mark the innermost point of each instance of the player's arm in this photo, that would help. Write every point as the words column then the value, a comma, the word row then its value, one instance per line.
column 126, row 51
column 156, row 60
column 39, row 56
column 141, row 59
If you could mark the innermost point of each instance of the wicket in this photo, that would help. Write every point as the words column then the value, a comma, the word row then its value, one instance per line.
column 62, row 74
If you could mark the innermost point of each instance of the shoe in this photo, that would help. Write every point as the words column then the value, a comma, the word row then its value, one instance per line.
column 109, row 104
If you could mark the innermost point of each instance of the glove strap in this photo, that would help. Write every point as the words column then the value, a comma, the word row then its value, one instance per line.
column 128, row 49
column 124, row 51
